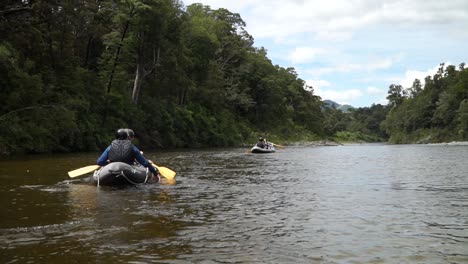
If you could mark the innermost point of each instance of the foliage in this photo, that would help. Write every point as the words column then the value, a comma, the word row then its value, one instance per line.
column 359, row 124
column 434, row 113
column 346, row 136
column 71, row 73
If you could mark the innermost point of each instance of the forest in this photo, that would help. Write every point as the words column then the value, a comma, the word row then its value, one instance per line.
column 72, row 72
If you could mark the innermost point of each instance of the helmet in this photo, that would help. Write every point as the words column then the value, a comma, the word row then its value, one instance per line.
column 124, row 133
column 260, row 139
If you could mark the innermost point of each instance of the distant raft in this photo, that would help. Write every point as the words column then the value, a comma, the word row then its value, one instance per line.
column 259, row 150
column 120, row 173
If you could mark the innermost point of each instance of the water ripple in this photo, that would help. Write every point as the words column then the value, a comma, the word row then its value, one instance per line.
column 350, row 204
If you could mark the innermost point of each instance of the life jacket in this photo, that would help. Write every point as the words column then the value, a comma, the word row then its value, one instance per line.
column 261, row 144
column 122, row 150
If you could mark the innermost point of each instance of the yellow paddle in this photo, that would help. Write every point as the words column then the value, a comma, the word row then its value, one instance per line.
column 82, row 171
column 165, row 172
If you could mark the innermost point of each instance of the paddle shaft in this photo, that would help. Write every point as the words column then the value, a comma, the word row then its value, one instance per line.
column 165, row 172
column 276, row 145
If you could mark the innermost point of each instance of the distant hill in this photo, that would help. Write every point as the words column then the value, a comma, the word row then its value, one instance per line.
column 332, row 104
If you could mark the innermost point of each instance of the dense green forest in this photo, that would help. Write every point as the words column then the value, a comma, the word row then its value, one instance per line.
column 75, row 71
column 434, row 113
column 72, row 72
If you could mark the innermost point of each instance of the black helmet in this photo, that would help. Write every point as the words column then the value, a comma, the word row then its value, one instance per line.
column 260, row 139
column 124, row 133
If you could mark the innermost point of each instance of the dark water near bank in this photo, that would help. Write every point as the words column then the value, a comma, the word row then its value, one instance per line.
column 348, row 204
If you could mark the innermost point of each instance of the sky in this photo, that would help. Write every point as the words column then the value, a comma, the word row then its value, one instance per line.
column 351, row 51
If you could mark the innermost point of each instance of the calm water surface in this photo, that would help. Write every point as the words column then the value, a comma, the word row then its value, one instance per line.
column 348, row 204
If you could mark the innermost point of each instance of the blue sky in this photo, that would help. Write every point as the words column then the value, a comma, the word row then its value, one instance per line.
column 351, row 51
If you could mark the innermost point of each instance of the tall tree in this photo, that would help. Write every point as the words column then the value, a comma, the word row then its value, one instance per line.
column 123, row 15
column 396, row 94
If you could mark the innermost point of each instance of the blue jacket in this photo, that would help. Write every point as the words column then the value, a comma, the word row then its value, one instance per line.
column 102, row 161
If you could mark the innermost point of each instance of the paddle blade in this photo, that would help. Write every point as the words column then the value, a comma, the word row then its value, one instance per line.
column 82, row 171
column 166, row 172
column 165, row 181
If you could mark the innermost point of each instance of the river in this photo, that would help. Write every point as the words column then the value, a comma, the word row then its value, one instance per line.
column 346, row 204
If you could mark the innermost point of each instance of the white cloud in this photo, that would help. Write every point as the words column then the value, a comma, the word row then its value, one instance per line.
column 378, row 95
column 369, row 66
column 378, row 64
column 317, row 84
column 341, row 97
column 338, row 18
column 334, row 36
column 304, row 54
column 349, row 96
column 375, row 91
column 410, row 75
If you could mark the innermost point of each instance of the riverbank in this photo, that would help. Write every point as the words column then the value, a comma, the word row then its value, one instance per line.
column 316, row 143
column 453, row 143
column 335, row 143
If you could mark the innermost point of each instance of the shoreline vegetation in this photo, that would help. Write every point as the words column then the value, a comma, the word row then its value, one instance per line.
column 338, row 143
column 72, row 73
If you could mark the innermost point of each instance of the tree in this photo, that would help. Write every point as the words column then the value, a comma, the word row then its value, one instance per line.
column 462, row 128
column 415, row 89
column 115, row 39
column 396, row 95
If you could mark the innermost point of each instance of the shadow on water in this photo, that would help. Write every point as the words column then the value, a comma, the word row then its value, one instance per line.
column 51, row 218
column 87, row 223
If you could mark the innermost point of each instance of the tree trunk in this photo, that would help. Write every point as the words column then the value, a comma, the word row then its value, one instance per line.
column 139, row 75
column 119, row 48
column 182, row 94
column 141, row 72
column 88, row 51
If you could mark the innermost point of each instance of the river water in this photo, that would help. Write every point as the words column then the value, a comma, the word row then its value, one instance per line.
column 346, row 204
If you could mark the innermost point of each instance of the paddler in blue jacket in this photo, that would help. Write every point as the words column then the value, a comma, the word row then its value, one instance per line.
column 122, row 149
column 261, row 143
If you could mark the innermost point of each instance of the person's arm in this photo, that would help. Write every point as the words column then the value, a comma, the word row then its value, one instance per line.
column 143, row 161
column 102, row 161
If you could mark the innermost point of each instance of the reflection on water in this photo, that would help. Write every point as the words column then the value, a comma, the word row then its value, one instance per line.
column 361, row 204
